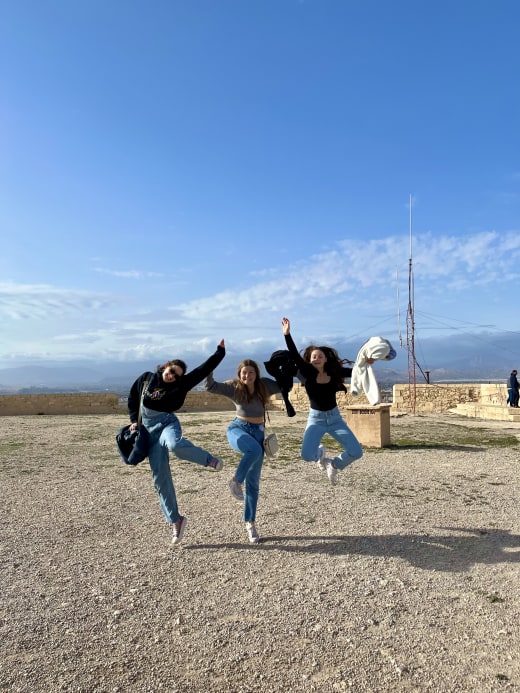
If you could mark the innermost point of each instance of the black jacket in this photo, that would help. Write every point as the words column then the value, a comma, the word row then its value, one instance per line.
column 169, row 397
column 283, row 368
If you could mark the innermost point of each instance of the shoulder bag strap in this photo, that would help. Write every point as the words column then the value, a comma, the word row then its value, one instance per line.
column 143, row 392
column 267, row 419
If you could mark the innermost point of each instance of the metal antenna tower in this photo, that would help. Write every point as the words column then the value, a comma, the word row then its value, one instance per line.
column 410, row 330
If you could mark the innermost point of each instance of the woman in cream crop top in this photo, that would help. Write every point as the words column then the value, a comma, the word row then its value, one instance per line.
column 250, row 394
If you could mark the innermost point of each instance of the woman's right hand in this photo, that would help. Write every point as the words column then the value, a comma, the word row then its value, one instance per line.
column 133, row 426
column 286, row 326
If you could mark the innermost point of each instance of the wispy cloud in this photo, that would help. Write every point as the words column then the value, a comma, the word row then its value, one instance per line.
column 344, row 290
column 127, row 274
column 477, row 259
column 37, row 301
column 355, row 269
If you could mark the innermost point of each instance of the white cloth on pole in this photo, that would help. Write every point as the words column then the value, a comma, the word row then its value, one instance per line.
column 363, row 377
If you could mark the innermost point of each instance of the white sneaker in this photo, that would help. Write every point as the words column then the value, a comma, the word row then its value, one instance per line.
column 322, row 461
column 236, row 490
column 178, row 529
column 252, row 533
column 332, row 473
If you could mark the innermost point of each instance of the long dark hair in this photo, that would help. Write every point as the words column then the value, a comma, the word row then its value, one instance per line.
column 174, row 362
column 260, row 391
column 334, row 366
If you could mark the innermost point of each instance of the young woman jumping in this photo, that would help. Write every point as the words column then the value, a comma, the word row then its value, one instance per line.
column 322, row 373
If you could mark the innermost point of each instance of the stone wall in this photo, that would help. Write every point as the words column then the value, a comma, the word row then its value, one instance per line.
column 82, row 403
column 203, row 401
column 442, row 397
column 436, row 398
column 429, row 399
column 101, row 403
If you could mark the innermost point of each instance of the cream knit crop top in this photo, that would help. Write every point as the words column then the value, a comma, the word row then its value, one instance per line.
column 254, row 409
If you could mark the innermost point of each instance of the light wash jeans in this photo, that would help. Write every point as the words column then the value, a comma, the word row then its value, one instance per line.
column 166, row 436
column 331, row 422
column 248, row 439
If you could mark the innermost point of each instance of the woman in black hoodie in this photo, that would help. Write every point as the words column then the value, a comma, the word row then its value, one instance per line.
column 165, row 393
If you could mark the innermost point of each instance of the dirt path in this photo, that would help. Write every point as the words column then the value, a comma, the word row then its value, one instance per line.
column 404, row 577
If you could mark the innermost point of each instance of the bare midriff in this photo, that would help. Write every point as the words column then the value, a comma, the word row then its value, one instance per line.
column 256, row 420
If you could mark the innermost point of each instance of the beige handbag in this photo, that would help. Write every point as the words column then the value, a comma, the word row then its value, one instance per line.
column 271, row 446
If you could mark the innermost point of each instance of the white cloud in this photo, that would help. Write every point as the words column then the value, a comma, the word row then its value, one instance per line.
column 348, row 290
column 38, row 301
column 127, row 274
column 355, row 269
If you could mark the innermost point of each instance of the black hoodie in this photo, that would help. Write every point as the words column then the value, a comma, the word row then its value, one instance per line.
column 169, row 397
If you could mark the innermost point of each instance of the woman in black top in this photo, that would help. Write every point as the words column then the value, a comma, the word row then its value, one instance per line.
column 322, row 373
column 165, row 393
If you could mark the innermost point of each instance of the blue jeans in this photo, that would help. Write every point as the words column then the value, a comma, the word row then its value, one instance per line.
column 321, row 422
column 248, row 439
column 166, row 436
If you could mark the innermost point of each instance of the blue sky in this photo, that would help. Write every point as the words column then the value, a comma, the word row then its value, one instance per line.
column 172, row 173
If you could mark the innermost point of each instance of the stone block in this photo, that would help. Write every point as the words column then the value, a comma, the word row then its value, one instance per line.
column 370, row 424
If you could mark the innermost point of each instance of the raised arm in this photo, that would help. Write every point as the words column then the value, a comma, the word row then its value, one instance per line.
column 227, row 388
column 305, row 370
column 286, row 329
column 198, row 374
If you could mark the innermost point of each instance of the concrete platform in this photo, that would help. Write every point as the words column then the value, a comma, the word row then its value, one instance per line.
column 496, row 412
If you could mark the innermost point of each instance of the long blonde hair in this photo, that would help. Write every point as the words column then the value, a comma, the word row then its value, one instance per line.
column 260, row 390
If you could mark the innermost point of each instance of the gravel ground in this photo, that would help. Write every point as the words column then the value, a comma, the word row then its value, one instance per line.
column 403, row 577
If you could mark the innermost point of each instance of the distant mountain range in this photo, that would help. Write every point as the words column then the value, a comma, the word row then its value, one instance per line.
column 36, row 379
column 40, row 379
column 453, row 358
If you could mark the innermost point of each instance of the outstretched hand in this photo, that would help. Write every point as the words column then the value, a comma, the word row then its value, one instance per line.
column 221, row 344
column 286, row 326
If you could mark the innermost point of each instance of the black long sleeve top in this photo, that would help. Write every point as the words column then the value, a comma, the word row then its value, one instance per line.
column 322, row 396
column 169, row 397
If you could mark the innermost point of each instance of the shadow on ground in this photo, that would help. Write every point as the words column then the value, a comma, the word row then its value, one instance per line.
column 439, row 552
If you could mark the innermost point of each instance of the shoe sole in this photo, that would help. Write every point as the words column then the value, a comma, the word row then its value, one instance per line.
column 333, row 479
column 217, row 468
column 237, row 497
column 321, row 463
column 178, row 538
column 252, row 540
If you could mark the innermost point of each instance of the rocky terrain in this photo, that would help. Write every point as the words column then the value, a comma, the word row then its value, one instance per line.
column 403, row 577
